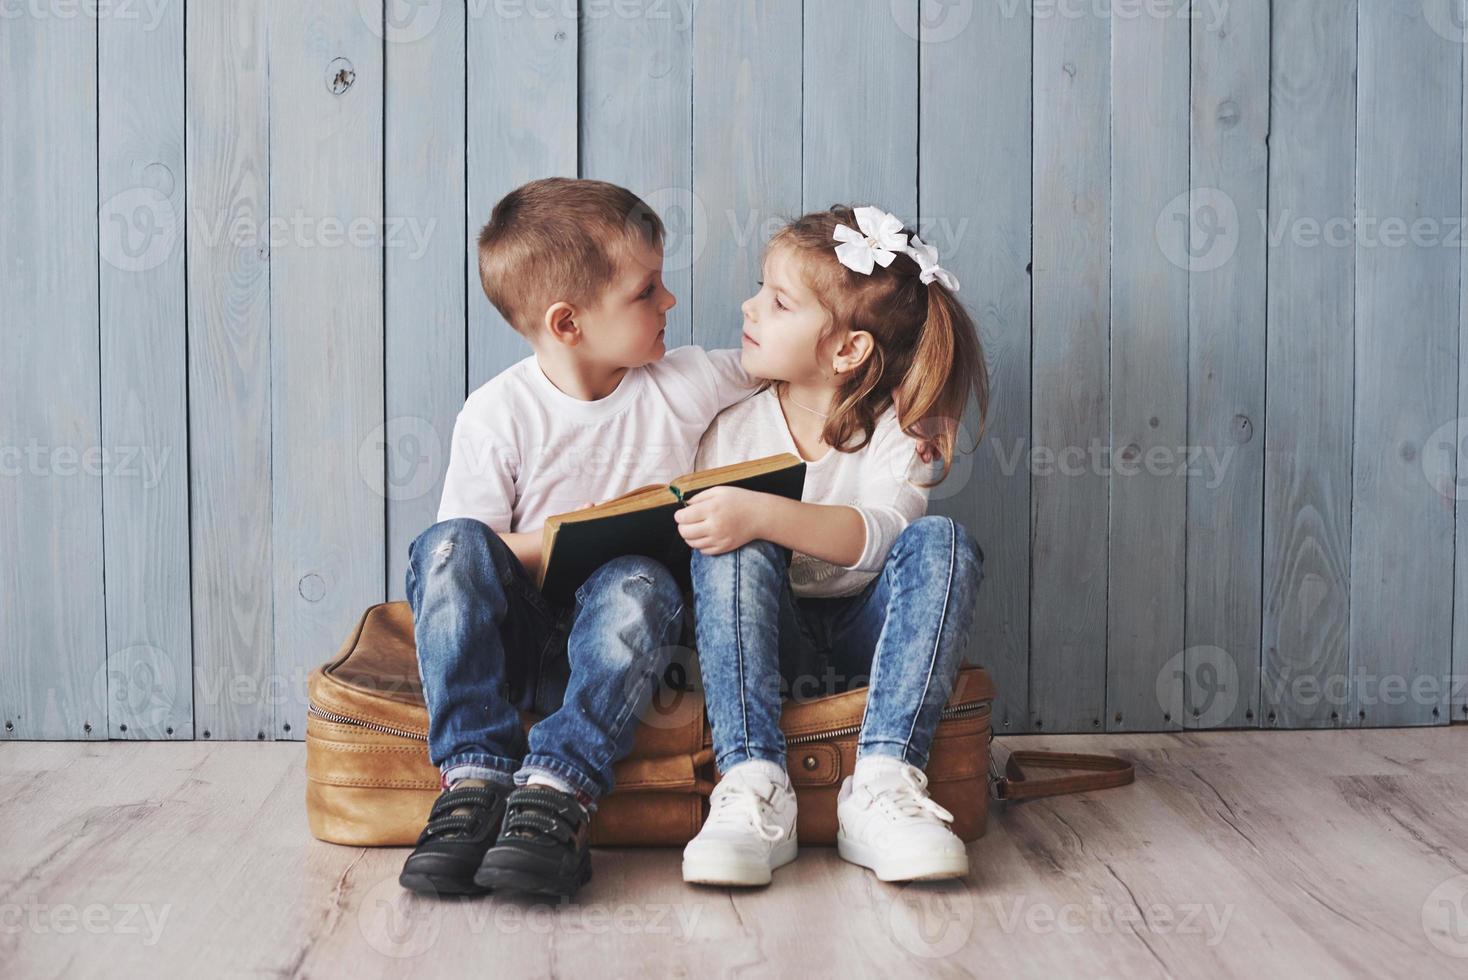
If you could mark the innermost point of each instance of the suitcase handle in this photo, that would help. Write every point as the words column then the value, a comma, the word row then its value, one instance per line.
column 1007, row 779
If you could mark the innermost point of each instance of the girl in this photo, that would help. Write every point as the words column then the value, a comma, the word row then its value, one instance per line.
column 860, row 338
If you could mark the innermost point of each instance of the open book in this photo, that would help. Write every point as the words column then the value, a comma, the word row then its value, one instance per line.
column 640, row 522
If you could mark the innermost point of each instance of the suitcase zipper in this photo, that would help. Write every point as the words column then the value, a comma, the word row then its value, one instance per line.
column 313, row 709
column 950, row 711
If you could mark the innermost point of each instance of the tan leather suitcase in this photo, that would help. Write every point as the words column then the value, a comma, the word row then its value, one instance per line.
column 369, row 780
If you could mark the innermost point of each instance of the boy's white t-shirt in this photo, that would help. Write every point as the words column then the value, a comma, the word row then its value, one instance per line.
column 877, row 481
column 523, row 450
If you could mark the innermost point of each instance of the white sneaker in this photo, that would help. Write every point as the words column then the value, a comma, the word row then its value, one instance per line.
column 750, row 830
column 888, row 823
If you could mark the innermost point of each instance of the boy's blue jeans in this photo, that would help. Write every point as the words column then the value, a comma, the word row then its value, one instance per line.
column 489, row 645
column 903, row 635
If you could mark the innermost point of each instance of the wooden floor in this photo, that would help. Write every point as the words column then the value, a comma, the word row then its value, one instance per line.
column 1293, row 853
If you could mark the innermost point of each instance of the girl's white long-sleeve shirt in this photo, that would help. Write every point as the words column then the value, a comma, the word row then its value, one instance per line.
column 877, row 481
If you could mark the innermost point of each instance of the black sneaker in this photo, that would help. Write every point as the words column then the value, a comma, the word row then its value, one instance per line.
column 542, row 847
column 462, row 826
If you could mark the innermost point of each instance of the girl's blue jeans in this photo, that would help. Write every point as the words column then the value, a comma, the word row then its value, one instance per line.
column 489, row 646
column 904, row 636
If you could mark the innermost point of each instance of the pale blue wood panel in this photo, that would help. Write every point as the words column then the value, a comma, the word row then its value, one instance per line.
column 424, row 262
column 140, row 111
column 746, row 151
column 1072, row 277
column 636, row 125
column 1147, row 463
column 1408, row 189
column 1457, row 437
column 861, row 97
column 53, row 667
column 522, row 75
column 1228, row 264
column 981, row 229
column 326, row 325
column 229, row 408
column 1311, row 304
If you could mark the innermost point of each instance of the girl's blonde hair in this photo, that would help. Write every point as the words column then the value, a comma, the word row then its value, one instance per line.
column 926, row 356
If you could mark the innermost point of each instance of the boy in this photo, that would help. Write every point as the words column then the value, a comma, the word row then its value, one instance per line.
column 574, row 266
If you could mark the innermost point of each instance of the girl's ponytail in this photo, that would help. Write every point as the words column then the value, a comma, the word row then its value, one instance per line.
column 947, row 364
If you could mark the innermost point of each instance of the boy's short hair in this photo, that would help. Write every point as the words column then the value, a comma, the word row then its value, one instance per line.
column 559, row 239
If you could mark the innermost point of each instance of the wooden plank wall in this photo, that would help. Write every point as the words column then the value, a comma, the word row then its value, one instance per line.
column 1309, row 370
column 1069, row 373
column 326, row 332
column 53, row 632
column 1226, row 344
column 1220, row 480
column 227, row 190
column 984, row 225
column 424, row 262
column 1408, row 172
column 140, row 182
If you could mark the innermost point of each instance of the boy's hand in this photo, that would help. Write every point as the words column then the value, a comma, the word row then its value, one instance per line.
column 720, row 519
column 927, row 446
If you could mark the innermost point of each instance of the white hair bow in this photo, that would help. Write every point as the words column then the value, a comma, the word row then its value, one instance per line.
column 878, row 242
column 927, row 260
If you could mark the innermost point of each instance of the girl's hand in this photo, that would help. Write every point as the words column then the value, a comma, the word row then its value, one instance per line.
column 720, row 519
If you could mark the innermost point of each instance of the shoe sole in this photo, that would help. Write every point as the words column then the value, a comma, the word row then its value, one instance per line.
column 434, row 885
column 937, row 867
column 715, row 872
column 527, row 882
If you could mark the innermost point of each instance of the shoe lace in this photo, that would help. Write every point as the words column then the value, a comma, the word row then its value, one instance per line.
column 539, row 812
column 740, row 803
column 459, row 812
column 908, row 800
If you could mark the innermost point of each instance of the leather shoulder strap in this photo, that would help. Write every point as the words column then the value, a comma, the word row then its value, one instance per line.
column 1009, row 782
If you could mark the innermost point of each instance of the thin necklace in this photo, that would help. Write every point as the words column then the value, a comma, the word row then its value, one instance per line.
column 797, row 404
